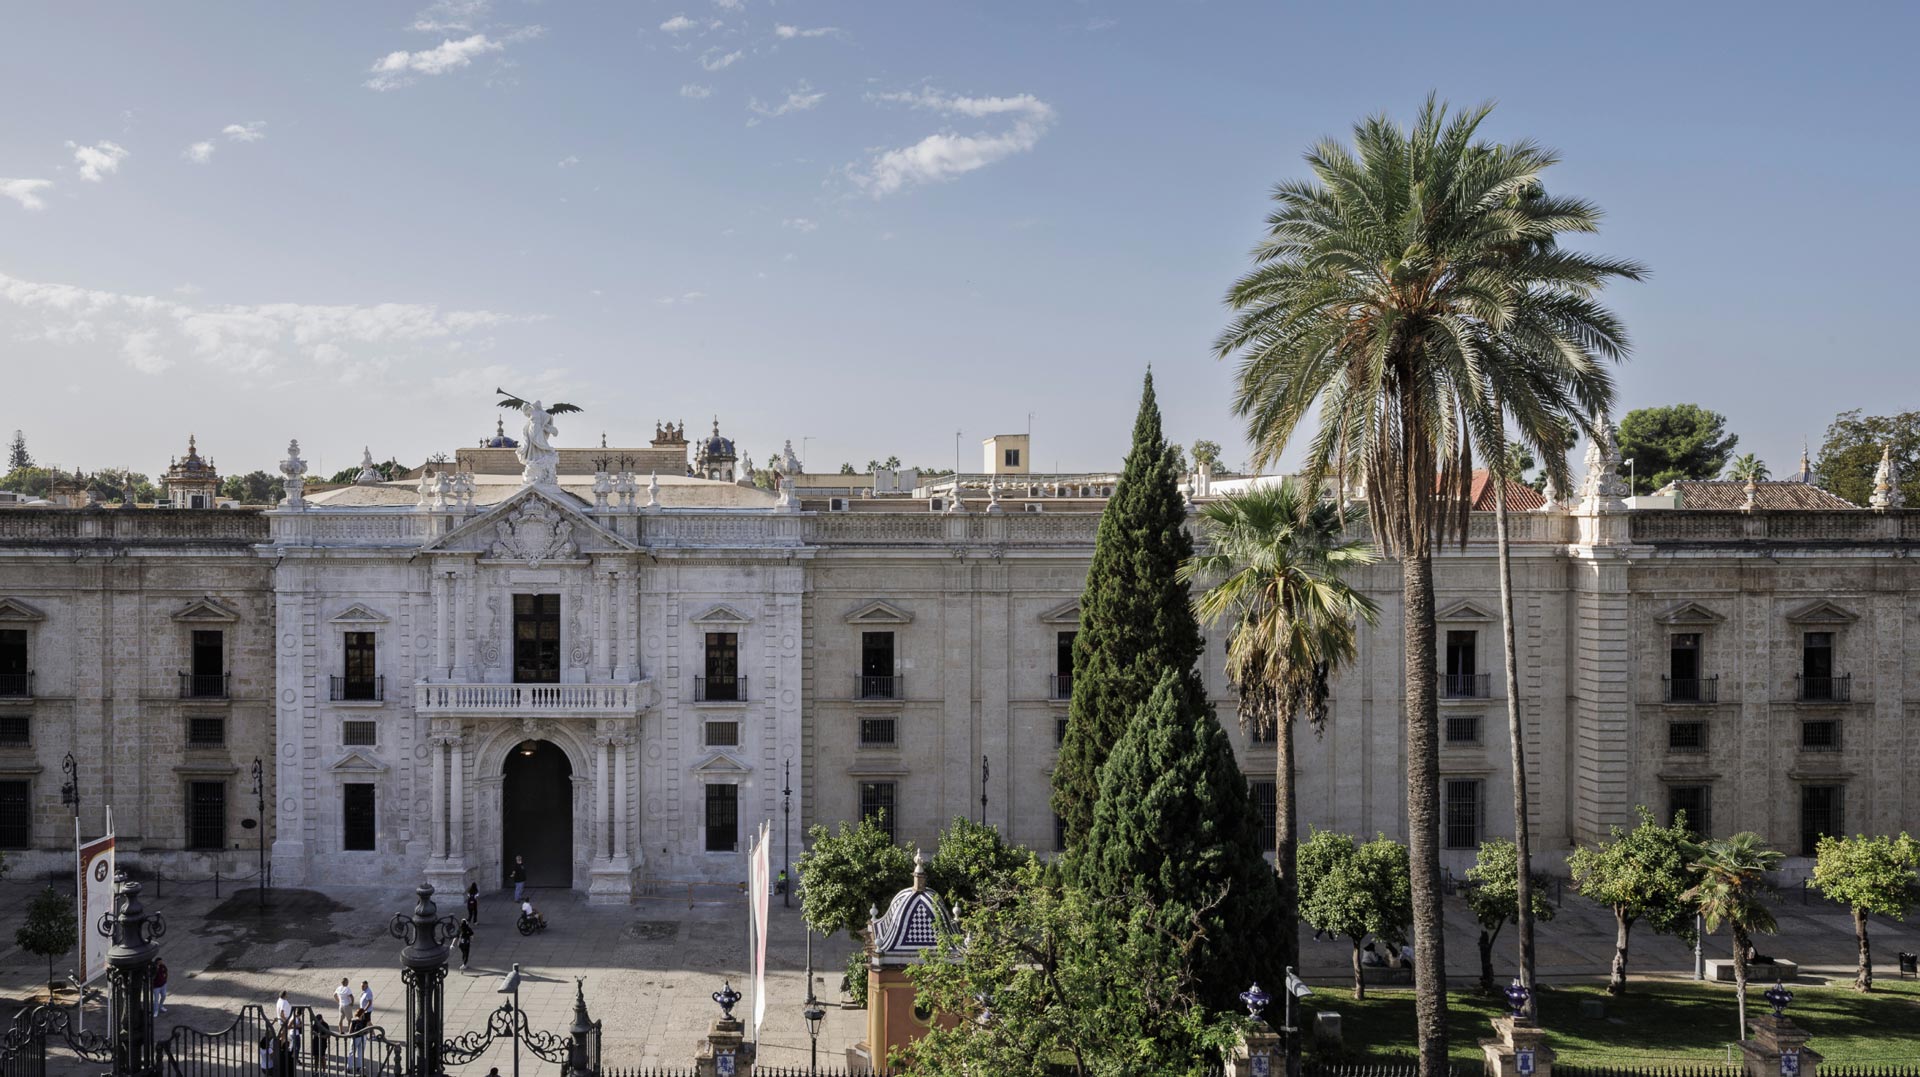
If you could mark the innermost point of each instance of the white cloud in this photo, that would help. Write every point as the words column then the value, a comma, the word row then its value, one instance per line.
column 799, row 99
column 791, row 32
column 251, row 131
column 98, row 160
column 569, row 161
column 403, row 68
column 714, row 63
column 199, row 153
column 444, row 16
column 153, row 332
column 679, row 24
column 730, row 5
column 680, row 300
column 25, row 191
column 1099, row 23
column 799, row 224
column 696, row 91
column 946, row 154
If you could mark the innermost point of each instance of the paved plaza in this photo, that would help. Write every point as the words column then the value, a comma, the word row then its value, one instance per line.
column 650, row 967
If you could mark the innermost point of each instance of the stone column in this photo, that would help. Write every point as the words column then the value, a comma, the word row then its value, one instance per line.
column 457, row 803
column 1518, row 1049
column 442, row 624
column 626, row 626
column 437, row 757
column 603, row 658
column 602, row 748
column 462, row 650
column 1776, row 1038
column 620, row 764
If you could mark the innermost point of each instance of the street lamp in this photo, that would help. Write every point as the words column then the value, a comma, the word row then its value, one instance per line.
column 260, row 803
column 70, row 785
column 1631, row 489
column 510, row 984
column 813, row 1014
column 786, row 856
column 983, row 790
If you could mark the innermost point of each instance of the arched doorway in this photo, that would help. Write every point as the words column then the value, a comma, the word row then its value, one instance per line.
column 536, row 808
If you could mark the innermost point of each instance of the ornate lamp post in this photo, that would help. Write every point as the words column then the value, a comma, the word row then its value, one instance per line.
column 260, row 806
column 583, row 1050
column 70, row 784
column 130, row 962
column 423, row 969
column 510, row 984
column 786, row 855
column 813, row 1014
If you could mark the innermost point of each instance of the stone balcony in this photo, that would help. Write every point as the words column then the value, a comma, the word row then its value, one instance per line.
column 456, row 700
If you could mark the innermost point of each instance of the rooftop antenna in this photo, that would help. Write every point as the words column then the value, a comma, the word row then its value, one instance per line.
column 956, row 458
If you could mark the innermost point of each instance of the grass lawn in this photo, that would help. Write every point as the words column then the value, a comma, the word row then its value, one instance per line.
column 1655, row 1022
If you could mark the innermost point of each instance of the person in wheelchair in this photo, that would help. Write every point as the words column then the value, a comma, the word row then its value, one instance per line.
column 527, row 910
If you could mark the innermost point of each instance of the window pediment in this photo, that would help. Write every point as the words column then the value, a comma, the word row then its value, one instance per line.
column 1690, row 613
column 1464, row 610
column 357, row 762
column 1067, row 613
column 879, row 613
column 721, row 614
column 358, row 614
column 206, row 610
column 1822, row 612
column 721, row 764
column 12, row 609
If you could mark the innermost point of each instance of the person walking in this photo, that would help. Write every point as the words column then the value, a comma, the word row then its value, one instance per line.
column 159, row 987
column 283, row 1011
column 344, row 993
column 473, row 902
column 320, row 1032
column 518, row 877
column 366, row 1000
column 463, row 938
column 266, row 1054
column 283, row 1052
column 357, row 1045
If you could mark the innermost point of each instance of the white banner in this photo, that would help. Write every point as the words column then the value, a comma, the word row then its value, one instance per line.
column 762, row 900
column 94, row 867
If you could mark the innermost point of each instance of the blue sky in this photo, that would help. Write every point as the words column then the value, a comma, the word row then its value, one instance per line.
column 864, row 226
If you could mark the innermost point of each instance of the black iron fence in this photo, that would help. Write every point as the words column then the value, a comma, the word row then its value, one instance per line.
column 872, row 686
column 307, row 1045
column 1691, row 689
column 203, row 685
column 719, row 689
column 1837, row 689
column 357, row 689
column 16, row 685
column 1466, row 685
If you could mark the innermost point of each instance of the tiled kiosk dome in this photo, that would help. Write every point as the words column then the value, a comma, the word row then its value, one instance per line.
column 911, row 925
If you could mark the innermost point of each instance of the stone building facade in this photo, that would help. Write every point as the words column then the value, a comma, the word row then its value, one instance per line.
column 616, row 674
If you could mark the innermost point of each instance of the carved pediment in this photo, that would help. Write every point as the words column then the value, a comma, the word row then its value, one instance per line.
column 533, row 527
column 1067, row 613
column 206, row 610
column 12, row 609
column 721, row 614
column 879, row 613
column 1822, row 612
column 358, row 614
column 356, row 762
column 1690, row 613
column 719, row 763
column 1464, row 610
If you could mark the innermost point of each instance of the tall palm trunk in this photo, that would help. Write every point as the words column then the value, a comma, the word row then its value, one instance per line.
column 1863, row 979
column 1423, row 812
column 1740, row 975
column 1522, row 839
column 1286, row 859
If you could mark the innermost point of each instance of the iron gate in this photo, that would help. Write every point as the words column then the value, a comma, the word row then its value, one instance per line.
column 252, row 1047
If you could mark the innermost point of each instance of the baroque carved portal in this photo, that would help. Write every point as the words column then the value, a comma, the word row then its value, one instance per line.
column 534, row 533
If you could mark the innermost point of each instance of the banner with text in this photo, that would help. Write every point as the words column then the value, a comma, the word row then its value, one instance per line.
column 762, row 890
column 94, row 862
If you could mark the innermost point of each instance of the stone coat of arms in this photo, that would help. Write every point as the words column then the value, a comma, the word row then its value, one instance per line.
column 534, row 533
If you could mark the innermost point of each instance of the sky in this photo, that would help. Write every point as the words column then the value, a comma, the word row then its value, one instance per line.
column 871, row 228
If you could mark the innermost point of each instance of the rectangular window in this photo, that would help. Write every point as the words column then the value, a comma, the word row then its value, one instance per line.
column 207, row 679
column 206, row 815
column 1820, row 814
column 1266, row 809
column 1063, row 664
column 16, row 815
column 536, row 639
column 206, row 732
column 876, row 666
column 16, row 731
column 723, row 734
column 723, row 667
column 1463, row 729
column 359, row 675
column 723, row 818
column 1821, row 735
column 1463, row 679
column 1818, row 682
column 359, row 732
column 1683, row 668
column 876, row 803
column 877, row 732
column 13, row 663
column 1013, row 457
column 358, row 826
column 1686, row 736
column 1695, row 802
column 1463, row 807
column 1059, row 732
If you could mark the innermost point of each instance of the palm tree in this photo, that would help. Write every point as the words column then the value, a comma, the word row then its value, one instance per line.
column 1276, row 557
column 1733, row 888
column 1405, row 298
column 1748, row 468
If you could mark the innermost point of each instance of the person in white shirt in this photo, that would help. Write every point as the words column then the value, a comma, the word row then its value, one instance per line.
column 527, row 909
column 344, row 995
column 283, row 1010
column 366, row 998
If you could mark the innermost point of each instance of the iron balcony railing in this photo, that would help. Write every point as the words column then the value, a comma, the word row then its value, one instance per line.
column 719, row 689
column 203, row 685
column 16, row 685
column 872, row 687
column 1691, row 689
column 359, row 689
column 1059, row 686
column 1836, row 689
column 1466, row 685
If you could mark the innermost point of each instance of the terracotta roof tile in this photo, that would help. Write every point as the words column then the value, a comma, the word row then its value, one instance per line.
column 1728, row 494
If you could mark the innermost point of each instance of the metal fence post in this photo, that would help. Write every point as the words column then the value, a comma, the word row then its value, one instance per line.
column 130, row 963
column 423, row 968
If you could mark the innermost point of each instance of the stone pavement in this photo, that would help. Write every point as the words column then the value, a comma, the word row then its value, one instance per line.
column 649, row 968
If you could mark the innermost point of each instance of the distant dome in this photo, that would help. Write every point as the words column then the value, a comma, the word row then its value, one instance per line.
column 499, row 440
column 718, row 446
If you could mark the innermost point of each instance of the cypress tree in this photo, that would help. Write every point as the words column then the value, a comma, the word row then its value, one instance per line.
column 1174, row 830
column 1135, row 617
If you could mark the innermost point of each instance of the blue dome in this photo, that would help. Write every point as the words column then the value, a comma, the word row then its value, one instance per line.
column 719, row 447
column 501, row 441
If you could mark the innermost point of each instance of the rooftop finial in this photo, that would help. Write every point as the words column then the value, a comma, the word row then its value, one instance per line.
column 919, row 870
